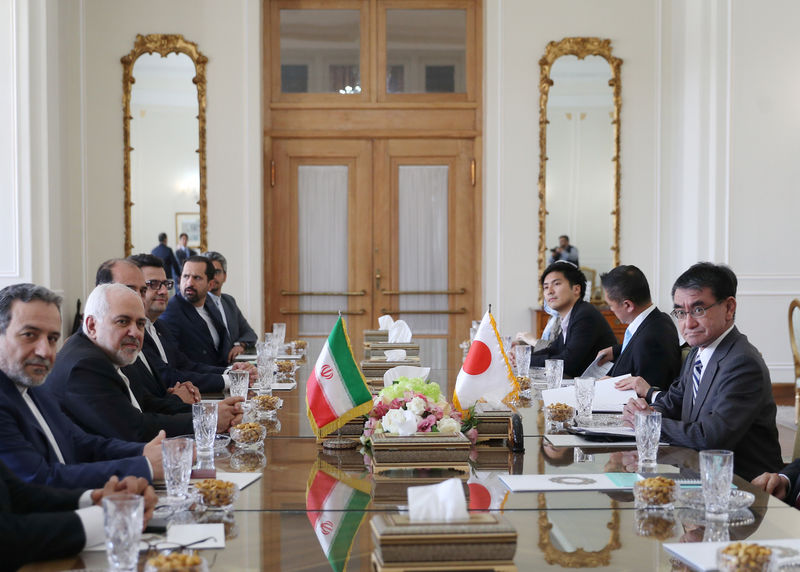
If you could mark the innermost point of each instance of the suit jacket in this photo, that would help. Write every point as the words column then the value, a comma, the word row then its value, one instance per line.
column 171, row 267
column 588, row 332
column 89, row 460
column 191, row 331
column 147, row 386
column 653, row 351
column 208, row 378
column 734, row 408
column 90, row 391
column 181, row 255
column 238, row 327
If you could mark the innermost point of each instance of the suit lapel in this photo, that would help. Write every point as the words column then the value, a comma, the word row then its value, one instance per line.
column 51, row 454
column 710, row 372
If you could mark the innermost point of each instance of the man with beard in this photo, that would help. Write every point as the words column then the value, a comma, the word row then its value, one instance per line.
column 37, row 441
column 194, row 320
column 89, row 385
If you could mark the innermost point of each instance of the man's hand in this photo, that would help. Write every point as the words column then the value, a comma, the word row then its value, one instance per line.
column 235, row 351
column 526, row 337
column 630, row 409
column 605, row 355
column 638, row 384
column 132, row 485
column 249, row 368
column 152, row 452
column 773, row 483
column 186, row 391
column 229, row 413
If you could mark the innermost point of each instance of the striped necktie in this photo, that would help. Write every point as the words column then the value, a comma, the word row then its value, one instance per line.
column 627, row 338
column 696, row 375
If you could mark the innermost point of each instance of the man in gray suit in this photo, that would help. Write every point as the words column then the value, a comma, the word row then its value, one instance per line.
column 723, row 396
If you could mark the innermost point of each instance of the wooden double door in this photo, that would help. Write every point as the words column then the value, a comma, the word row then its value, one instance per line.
column 368, row 227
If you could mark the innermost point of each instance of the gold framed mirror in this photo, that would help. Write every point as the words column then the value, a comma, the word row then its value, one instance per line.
column 164, row 131
column 580, row 97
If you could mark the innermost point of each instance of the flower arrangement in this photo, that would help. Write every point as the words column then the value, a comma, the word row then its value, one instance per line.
column 410, row 405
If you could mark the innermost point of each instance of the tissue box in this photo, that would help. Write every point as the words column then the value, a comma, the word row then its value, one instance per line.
column 371, row 336
column 350, row 430
column 391, row 487
column 376, row 367
column 423, row 450
column 494, row 425
column 486, row 537
column 376, row 349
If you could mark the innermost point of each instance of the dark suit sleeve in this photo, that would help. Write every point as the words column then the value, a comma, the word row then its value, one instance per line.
column 246, row 334
column 208, row 378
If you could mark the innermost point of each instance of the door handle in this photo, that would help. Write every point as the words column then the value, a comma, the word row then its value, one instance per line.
column 378, row 279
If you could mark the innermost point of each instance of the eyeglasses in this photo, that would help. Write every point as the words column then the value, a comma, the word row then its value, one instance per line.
column 696, row 312
column 157, row 284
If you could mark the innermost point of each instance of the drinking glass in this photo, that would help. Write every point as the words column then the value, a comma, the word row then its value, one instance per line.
column 279, row 334
column 522, row 368
column 204, row 419
column 647, row 426
column 265, row 364
column 123, row 518
column 240, row 382
column 716, row 474
column 176, row 454
column 584, row 394
column 554, row 369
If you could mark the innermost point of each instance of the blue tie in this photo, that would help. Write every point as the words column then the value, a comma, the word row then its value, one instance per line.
column 626, row 339
column 696, row 374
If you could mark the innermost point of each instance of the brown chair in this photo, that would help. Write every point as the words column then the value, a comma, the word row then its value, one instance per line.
column 794, row 335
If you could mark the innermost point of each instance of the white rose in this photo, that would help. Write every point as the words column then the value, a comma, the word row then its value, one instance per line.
column 400, row 421
column 448, row 425
column 416, row 406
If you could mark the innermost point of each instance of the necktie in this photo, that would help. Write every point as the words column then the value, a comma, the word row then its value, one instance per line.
column 696, row 375
column 627, row 338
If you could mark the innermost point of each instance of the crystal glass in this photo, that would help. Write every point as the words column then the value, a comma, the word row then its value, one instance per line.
column 265, row 364
column 716, row 474
column 584, row 395
column 176, row 455
column 647, row 426
column 240, row 382
column 522, row 368
column 554, row 369
column 279, row 334
column 204, row 419
column 123, row 520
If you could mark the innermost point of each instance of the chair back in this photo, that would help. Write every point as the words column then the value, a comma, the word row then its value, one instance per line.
column 794, row 336
column 591, row 276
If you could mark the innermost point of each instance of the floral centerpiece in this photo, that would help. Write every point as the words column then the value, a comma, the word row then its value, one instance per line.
column 410, row 405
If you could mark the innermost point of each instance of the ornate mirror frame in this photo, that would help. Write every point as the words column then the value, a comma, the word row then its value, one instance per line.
column 580, row 47
column 163, row 44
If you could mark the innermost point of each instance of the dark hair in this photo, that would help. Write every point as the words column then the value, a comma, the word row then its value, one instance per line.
column 626, row 283
column 210, row 270
column 24, row 293
column 162, row 237
column 718, row 277
column 144, row 259
column 105, row 270
column 571, row 272
column 565, row 237
column 216, row 256
column 181, row 235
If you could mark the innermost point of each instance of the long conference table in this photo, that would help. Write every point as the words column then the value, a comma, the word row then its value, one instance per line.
column 270, row 526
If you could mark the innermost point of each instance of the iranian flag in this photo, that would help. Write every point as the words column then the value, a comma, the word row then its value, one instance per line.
column 336, row 390
column 486, row 374
column 336, row 505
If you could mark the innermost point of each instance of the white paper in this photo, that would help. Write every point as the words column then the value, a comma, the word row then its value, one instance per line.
column 280, row 386
column 444, row 501
column 242, row 480
column 596, row 370
column 184, row 534
column 703, row 555
column 584, row 443
column 569, row 482
column 606, row 396
column 408, row 371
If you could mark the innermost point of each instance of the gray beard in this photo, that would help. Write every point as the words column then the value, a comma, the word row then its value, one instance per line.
column 16, row 373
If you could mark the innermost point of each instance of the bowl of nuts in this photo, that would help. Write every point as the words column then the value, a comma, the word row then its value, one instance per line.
column 558, row 415
column 654, row 493
column 248, row 435
column 248, row 461
column 217, row 494
column 744, row 556
column 266, row 404
column 176, row 562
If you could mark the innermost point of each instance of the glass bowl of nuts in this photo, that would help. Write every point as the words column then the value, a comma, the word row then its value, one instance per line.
column 744, row 556
column 176, row 562
column 654, row 493
column 558, row 415
column 265, row 405
column 248, row 435
column 216, row 494
column 248, row 461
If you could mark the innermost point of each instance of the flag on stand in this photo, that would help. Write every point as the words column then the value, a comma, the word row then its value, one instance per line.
column 336, row 503
column 336, row 390
column 486, row 373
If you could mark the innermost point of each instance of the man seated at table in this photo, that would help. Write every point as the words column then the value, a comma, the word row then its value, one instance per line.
column 43, row 523
column 160, row 347
column 194, row 320
column 89, row 385
column 650, row 348
column 723, row 397
column 584, row 330
column 37, row 441
column 242, row 335
column 784, row 485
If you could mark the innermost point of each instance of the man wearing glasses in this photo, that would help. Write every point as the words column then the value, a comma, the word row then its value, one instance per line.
column 723, row 396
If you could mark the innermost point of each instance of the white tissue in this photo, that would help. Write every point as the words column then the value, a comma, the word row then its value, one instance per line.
column 385, row 322
column 408, row 371
column 399, row 333
column 395, row 355
column 436, row 503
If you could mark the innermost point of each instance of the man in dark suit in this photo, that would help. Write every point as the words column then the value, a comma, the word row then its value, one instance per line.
column 193, row 320
column 584, row 330
column 723, row 397
column 183, row 252
column 37, row 441
column 242, row 335
column 650, row 349
column 164, row 252
column 42, row 523
column 89, row 386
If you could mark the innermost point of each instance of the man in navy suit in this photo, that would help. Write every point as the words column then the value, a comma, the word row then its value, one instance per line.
column 183, row 252
column 37, row 441
column 650, row 349
column 194, row 321
column 164, row 252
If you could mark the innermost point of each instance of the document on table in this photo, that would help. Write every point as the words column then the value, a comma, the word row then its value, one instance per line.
column 607, row 398
column 576, row 482
column 596, row 370
column 587, row 443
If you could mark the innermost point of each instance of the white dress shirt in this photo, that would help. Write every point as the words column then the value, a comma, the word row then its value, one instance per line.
column 40, row 420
